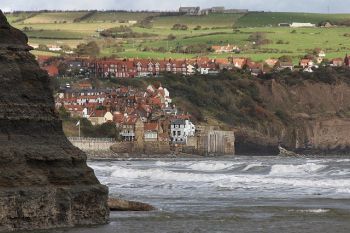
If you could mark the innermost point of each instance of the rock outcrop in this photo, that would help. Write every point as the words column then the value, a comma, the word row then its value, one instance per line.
column 124, row 205
column 44, row 180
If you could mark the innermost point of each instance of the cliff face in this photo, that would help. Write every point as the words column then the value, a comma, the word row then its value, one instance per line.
column 318, row 119
column 44, row 180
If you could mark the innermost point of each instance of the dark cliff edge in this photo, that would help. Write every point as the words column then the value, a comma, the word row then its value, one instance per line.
column 44, row 180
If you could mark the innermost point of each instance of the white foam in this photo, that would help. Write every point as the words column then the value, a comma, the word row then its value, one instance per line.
column 343, row 190
column 314, row 211
column 250, row 166
column 161, row 174
column 210, row 166
column 282, row 169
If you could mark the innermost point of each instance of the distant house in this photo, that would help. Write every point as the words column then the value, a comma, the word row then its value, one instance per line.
column 128, row 128
column 239, row 62
column 180, row 130
column 54, row 48
column 189, row 10
column 281, row 65
column 224, row 49
column 52, row 70
column 217, row 9
column 302, row 25
column 321, row 53
column 151, row 132
column 306, row 63
column 99, row 117
column 271, row 62
column 337, row 62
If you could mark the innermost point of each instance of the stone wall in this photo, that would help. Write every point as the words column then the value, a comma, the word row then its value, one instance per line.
column 148, row 148
column 92, row 144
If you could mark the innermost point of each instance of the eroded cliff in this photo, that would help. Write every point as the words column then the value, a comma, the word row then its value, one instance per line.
column 313, row 117
column 44, row 180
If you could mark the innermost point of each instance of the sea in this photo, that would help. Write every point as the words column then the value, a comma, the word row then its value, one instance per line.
column 229, row 194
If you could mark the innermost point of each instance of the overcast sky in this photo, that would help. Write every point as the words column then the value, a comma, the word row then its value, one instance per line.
column 322, row 6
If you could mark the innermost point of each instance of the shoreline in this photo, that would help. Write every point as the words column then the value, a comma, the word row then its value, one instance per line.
column 110, row 155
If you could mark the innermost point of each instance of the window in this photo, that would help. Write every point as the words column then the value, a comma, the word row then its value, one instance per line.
column 178, row 133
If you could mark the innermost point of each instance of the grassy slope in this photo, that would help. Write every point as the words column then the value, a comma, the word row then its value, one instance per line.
column 212, row 20
column 52, row 17
column 45, row 31
column 262, row 19
column 117, row 16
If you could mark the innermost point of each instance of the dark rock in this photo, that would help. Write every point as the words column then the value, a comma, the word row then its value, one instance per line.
column 44, row 180
column 115, row 204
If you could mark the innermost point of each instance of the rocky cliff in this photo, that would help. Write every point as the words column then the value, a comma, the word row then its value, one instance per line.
column 316, row 120
column 44, row 180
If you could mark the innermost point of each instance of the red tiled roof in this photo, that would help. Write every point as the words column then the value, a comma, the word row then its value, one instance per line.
column 151, row 127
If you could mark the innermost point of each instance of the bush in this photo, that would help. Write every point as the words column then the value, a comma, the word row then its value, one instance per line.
column 179, row 27
column 171, row 37
column 89, row 49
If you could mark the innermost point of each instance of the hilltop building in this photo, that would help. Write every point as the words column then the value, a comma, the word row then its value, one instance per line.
column 190, row 10
column 302, row 25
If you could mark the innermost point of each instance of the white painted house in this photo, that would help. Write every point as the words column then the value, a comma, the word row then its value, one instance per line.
column 180, row 130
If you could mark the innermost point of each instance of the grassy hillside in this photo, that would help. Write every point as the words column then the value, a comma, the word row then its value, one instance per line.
column 113, row 16
column 264, row 19
column 73, row 28
column 54, row 17
column 212, row 20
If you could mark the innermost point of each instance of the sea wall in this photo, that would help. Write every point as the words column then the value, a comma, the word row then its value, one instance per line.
column 92, row 144
column 148, row 148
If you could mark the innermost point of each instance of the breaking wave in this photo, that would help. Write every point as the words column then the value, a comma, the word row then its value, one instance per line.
column 302, row 169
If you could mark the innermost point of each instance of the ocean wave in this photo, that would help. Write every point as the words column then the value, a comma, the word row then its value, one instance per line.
column 308, row 168
column 313, row 211
column 250, row 166
column 226, row 180
column 211, row 166
column 200, row 165
column 343, row 190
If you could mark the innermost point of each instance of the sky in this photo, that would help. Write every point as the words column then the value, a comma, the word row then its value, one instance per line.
column 318, row 6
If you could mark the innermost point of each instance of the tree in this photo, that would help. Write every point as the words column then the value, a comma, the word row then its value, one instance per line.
column 89, row 49
column 43, row 47
column 171, row 37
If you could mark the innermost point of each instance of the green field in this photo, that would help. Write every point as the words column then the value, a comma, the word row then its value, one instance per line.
column 118, row 16
column 265, row 19
column 73, row 28
column 212, row 20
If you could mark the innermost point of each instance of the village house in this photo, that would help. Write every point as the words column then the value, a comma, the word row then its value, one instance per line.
column 180, row 130
column 99, row 117
column 282, row 65
column 239, row 62
column 271, row 62
column 151, row 132
column 306, row 62
column 224, row 49
column 337, row 62
column 54, row 48
column 128, row 128
column 51, row 70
